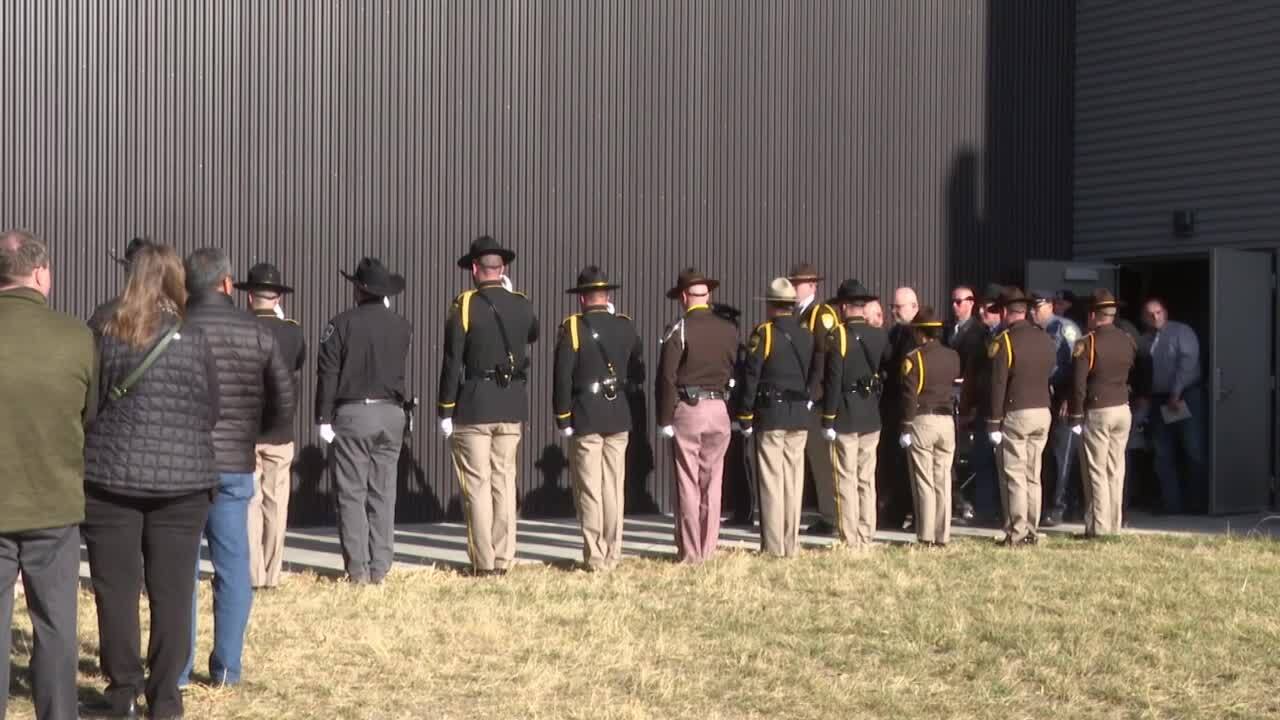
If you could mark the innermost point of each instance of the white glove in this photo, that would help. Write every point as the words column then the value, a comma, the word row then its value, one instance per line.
column 904, row 440
column 1077, row 429
column 567, row 431
column 747, row 431
column 386, row 303
column 446, row 426
column 996, row 437
column 326, row 433
column 667, row 431
column 829, row 434
column 808, row 405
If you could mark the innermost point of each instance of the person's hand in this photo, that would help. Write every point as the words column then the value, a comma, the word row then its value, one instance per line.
column 1077, row 429
column 667, row 431
column 829, row 434
column 904, row 440
column 326, row 433
column 996, row 437
column 1175, row 403
column 808, row 405
column 446, row 426
column 567, row 431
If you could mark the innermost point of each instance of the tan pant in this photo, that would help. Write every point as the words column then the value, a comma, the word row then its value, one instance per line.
column 484, row 456
column 1021, row 455
column 853, row 462
column 1106, row 434
column 702, row 438
column 269, row 513
column 598, row 465
column 933, row 447
column 780, row 454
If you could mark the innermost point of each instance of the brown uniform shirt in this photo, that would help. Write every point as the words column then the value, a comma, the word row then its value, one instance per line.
column 698, row 351
column 819, row 319
column 1100, row 371
column 928, row 373
column 1022, row 359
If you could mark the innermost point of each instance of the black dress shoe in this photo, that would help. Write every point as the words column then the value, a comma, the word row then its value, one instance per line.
column 820, row 527
column 1031, row 539
column 127, row 711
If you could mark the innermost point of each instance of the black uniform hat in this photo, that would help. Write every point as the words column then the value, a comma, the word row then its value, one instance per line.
column 687, row 279
column 1013, row 298
column 135, row 244
column 852, row 291
column 592, row 279
column 485, row 245
column 804, row 272
column 264, row 276
column 374, row 278
column 1041, row 296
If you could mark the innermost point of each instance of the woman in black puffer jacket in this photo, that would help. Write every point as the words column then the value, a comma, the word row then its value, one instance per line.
column 149, row 472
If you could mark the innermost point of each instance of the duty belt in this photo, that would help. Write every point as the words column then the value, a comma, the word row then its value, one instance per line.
column 937, row 410
column 776, row 395
column 609, row 388
column 491, row 375
column 692, row 394
column 368, row 401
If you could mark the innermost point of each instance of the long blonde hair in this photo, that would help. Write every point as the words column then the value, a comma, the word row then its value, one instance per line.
column 156, row 287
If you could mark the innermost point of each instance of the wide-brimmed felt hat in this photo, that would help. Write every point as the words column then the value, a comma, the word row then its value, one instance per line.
column 687, row 279
column 926, row 318
column 804, row 272
column 1103, row 299
column 592, row 279
column 990, row 294
column 266, row 277
column 485, row 245
column 374, row 278
column 780, row 291
column 853, row 291
column 1012, row 297
column 135, row 244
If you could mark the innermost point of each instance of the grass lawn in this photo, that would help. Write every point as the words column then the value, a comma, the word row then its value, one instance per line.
column 1144, row 627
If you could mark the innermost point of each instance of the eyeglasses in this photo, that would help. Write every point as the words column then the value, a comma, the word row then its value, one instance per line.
column 960, row 301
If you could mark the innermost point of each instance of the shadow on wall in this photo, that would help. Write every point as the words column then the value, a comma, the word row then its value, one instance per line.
column 1013, row 201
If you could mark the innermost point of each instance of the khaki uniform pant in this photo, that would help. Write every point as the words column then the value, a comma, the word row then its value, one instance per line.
column 1021, row 455
column 853, row 460
column 1106, row 434
column 484, row 456
column 269, row 513
column 933, row 447
column 598, row 464
column 780, row 454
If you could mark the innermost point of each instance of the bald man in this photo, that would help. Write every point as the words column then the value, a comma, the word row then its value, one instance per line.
column 894, row 490
column 875, row 314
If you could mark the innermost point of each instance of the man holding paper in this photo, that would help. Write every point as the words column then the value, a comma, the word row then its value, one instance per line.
column 1172, row 352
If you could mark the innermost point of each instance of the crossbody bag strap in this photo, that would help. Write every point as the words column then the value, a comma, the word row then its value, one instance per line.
column 604, row 352
column 804, row 367
column 120, row 390
column 502, row 329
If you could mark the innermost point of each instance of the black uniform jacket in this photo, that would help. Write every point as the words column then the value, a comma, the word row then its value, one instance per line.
column 774, row 395
column 858, row 357
column 928, row 375
column 819, row 319
column 1022, row 359
column 362, row 356
column 477, row 358
column 293, row 350
column 1102, row 361
column 902, row 342
column 596, row 349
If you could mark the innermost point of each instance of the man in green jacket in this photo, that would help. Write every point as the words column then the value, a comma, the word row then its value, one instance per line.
column 48, row 391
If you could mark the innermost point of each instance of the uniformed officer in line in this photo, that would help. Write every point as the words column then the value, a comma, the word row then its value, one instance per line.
column 740, row 488
column 928, row 433
column 1022, row 359
column 1063, row 444
column 599, row 361
column 775, row 407
column 1099, row 411
column 484, row 401
column 975, row 394
column 818, row 319
column 269, row 508
column 694, row 368
column 857, row 359
column 103, row 312
column 360, row 400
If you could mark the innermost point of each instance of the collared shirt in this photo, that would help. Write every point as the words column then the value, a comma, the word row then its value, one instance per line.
column 1174, row 356
column 802, row 305
column 1065, row 334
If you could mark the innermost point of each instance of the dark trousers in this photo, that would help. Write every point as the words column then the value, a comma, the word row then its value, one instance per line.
column 363, row 462
column 49, row 561
column 1182, row 441
column 122, row 534
column 986, row 485
column 893, row 486
column 1064, row 448
column 739, row 478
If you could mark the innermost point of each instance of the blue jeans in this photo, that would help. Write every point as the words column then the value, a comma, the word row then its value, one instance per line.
column 1173, row 442
column 1064, row 445
column 227, row 532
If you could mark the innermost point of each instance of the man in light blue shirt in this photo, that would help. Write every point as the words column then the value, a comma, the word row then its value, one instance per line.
column 1172, row 352
column 1063, row 444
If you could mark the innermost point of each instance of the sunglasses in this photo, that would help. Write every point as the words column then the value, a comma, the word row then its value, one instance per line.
column 960, row 301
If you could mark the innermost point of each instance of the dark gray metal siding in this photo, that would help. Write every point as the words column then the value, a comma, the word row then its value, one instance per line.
column 899, row 142
column 1177, row 107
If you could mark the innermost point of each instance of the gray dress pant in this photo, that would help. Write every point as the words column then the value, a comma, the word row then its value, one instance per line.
column 49, row 561
column 363, row 461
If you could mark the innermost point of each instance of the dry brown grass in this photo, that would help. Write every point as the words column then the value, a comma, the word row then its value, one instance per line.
column 1140, row 628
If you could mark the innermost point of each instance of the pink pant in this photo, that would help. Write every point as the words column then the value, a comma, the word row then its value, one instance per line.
column 702, row 437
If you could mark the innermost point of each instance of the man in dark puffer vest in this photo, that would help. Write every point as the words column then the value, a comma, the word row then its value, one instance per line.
column 256, row 394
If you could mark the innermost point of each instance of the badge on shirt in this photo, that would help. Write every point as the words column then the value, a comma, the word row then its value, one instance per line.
column 755, row 342
column 907, row 366
column 993, row 349
column 1079, row 349
column 828, row 322
column 328, row 333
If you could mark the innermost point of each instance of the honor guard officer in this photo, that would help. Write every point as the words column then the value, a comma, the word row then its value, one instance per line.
column 599, row 363
column 819, row 319
column 857, row 357
column 269, row 509
column 1063, row 444
column 775, row 401
column 484, row 401
column 360, row 408
column 1022, row 359
column 1100, row 412
column 928, row 426
column 694, row 367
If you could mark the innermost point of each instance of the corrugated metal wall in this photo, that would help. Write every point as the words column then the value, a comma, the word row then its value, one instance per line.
column 1177, row 107
column 900, row 142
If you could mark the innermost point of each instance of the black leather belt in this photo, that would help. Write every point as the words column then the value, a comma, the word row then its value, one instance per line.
column 491, row 375
column 367, row 401
column 707, row 395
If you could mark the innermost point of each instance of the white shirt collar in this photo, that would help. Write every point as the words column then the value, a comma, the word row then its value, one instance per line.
column 802, row 305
